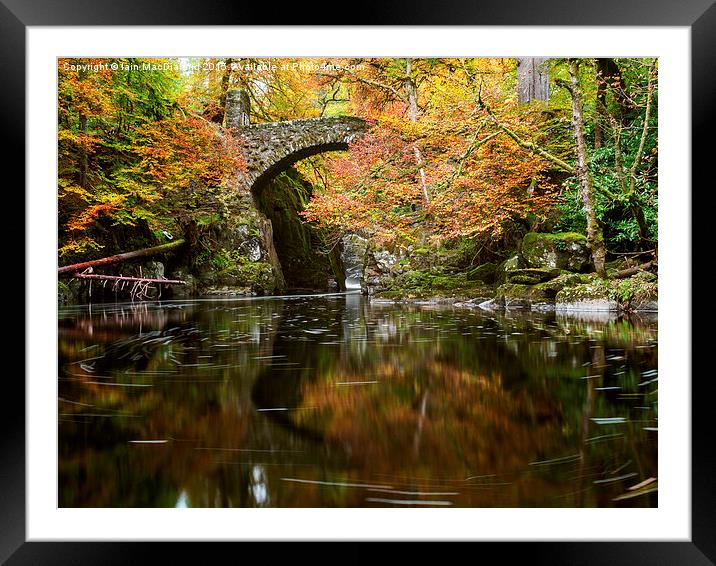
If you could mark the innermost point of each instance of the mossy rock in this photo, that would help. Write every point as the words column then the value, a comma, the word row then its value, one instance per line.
column 519, row 296
column 511, row 264
column 65, row 294
column 532, row 275
column 520, row 291
column 485, row 273
column 595, row 295
column 523, row 279
column 566, row 250
column 639, row 292
column 416, row 284
column 234, row 271
column 554, row 286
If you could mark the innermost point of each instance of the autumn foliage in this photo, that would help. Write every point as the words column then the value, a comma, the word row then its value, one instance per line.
column 441, row 162
column 475, row 180
column 129, row 154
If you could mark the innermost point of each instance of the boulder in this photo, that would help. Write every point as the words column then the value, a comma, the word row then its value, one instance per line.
column 517, row 295
column 585, row 297
column 645, row 305
column 485, row 273
column 153, row 270
column 69, row 292
column 532, row 275
column 567, row 250
column 507, row 266
column 554, row 286
column 539, row 273
column 353, row 256
column 385, row 260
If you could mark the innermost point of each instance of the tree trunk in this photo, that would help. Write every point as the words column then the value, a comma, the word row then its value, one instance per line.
column 412, row 93
column 594, row 230
column 75, row 267
column 532, row 79
column 601, row 104
column 609, row 77
column 84, row 158
column 624, row 273
column 638, row 214
column 225, row 85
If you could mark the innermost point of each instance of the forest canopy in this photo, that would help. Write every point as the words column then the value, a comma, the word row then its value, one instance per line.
column 453, row 155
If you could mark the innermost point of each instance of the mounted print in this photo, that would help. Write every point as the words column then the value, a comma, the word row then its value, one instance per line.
column 357, row 282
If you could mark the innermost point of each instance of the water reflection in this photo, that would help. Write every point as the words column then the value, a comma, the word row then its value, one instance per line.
column 332, row 401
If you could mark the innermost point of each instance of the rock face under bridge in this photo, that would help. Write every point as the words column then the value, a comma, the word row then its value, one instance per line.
column 273, row 147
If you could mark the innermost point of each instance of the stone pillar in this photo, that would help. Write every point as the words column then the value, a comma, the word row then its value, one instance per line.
column 238, row 108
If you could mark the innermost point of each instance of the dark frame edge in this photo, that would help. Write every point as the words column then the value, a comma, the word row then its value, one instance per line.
column 14, row 550
column 12, row 421
column 703, row 114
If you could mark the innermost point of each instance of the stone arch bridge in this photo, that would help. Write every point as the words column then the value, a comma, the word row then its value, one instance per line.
column 271, row 229
column 273, row 147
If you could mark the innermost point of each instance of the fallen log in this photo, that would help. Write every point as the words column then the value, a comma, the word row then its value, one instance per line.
column 119, row 258
column 633, row 270
column 122, row 278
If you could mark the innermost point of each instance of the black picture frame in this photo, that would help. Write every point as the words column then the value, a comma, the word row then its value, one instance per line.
column 698, row 15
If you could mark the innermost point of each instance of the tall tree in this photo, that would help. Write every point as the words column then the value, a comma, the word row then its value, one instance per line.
column 595, row 236
column 532, row 79
column 128, row 153
column 411, row 94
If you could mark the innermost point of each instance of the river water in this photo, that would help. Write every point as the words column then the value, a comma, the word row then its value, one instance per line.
column 333, row 401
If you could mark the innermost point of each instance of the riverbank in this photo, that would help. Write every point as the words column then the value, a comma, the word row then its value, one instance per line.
column 549, row 272
column 562, row 292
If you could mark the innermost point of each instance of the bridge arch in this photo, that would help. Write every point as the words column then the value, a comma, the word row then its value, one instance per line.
column 273, row 147
column 270, row 149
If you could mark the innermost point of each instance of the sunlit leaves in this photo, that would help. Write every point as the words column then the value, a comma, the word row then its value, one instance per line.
column 477, row 180
column 127, row 149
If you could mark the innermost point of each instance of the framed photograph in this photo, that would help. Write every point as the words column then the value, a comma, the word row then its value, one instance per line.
column 391, row 281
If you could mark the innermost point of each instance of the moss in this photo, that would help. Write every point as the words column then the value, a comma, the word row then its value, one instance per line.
column 567, row 278
column 64, row 293
column 510, row 264
column 531, row 276
column 523, row 279
column 485, row 272
column 418, row 284
column 641, row 287
column 208, row 219
column 594, row 289
column 520, row 291
column 229, row 268
column 564, row 250
column 259, row 275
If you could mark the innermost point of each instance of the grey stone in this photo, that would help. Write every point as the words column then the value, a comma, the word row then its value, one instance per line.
column 254, row 250
column 567, row 250
column 491, row 305
column 650, row 305
column 587, row 305
column 543, row 307
column 272, row 147
column 385, row 260
column 511, row 303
